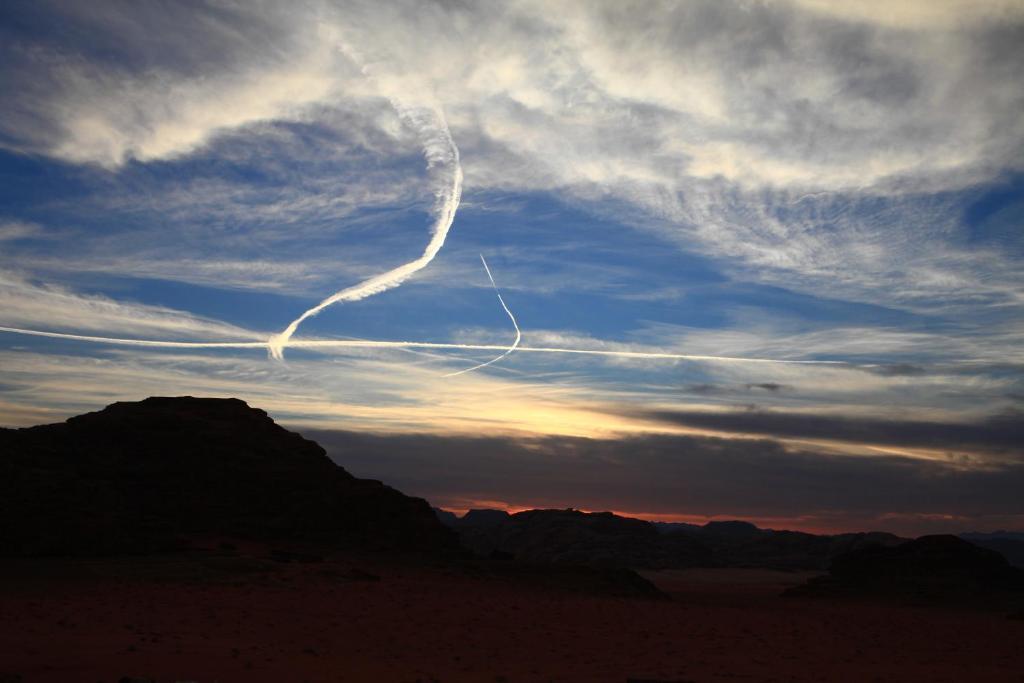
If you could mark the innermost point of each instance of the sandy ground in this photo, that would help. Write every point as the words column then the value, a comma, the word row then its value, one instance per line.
column 232, row 619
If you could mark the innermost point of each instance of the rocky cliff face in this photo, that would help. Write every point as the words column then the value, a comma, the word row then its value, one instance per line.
column 137, row 477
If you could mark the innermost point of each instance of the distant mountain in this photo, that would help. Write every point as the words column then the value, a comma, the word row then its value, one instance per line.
column 138, row 477
column 485, row 519
column 605, row 539
column 449, row 519
column 670, row 527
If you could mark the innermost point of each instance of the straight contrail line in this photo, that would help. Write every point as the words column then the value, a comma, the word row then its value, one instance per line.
column 139, row 342
column 519, row 334
column 315, row 344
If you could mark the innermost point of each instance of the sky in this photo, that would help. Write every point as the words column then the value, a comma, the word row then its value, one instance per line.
column 791, row 229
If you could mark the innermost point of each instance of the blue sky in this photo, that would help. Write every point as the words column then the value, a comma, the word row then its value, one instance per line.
column 790, row 180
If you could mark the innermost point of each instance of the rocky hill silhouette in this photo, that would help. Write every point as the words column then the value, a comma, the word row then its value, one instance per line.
column 741, row 544
column 598, row 539
column 606, row 539
column 139, row 477
column 929, row 566
column 1009, row 544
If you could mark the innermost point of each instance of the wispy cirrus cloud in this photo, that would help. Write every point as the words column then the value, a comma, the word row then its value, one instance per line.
column 11, row 230
column 824, row 73
column 819, row 168
column 29, row 304
column 120, row 95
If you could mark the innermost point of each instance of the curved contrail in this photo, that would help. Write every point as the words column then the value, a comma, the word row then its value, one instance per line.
column 439, row 148
column 519, row 334
column 314, row 344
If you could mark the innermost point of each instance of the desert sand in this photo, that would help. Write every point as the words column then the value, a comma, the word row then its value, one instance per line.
column 234, row 615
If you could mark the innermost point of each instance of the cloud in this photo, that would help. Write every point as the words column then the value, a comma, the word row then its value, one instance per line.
column 19, row 230
column 890, row 349
column 916, row 14
column 815, row 85
column 259, row 275
column 998, row 434
column 768, row 386
column 900, row 370
column 24, row 303
column 808, row 145
column 215, row 67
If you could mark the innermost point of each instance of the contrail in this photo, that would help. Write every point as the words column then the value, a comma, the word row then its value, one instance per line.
column 439, row 148
column 139, row 342
column 519, row 335
column 315, row 344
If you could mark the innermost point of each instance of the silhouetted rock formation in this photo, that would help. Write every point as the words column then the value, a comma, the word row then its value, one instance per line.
column 135, row 477
column 1009, row 544
column 941, row 560
column 605, row 539
column 449, row 519
column 789, row 549
column 930, row 565
column 1011, row 549
column 733, row 529
column 598, row 539
column 484, row 518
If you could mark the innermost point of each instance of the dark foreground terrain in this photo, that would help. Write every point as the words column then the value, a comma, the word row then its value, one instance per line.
column 138, row 477
column 236, row 616
column 182, row 539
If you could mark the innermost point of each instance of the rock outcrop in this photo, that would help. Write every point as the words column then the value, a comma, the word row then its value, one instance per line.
column 488, row 519
column 139, row 477
column 930, row 561
column 940, row 565
column 1009, row 544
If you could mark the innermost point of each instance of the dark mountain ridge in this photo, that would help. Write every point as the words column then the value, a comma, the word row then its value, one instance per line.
column 141, row 476
column 605, row 539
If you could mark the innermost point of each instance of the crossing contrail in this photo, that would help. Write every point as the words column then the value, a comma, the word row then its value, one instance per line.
column 316, row 344
column 519, row 334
